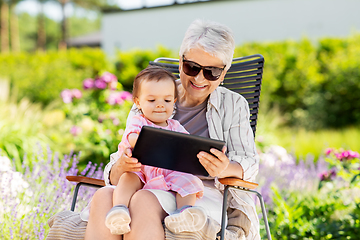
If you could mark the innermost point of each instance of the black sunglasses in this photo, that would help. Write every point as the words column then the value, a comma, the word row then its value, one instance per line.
column 210, row 73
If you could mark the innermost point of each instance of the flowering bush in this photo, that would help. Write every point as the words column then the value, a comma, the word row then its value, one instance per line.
column 95, row 117
column 307, row 200
column 30, row 198
column 343, row 163
column 282, row 171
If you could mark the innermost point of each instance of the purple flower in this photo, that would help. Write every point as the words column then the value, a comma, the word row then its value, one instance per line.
column 101, row 119
column 88, row 83
column 76, row 93
column 100, row 84
column 108, row 77
column 66, row 96
column 75, row 130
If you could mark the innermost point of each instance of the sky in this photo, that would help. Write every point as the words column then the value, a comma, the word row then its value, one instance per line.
column 52, row 10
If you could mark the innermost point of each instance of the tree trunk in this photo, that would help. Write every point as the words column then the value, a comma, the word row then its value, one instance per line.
column 62, row 44
column 4, row 24
column 14, row 30
column 41, row 40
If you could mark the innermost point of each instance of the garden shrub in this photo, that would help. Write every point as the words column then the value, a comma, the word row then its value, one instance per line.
column 95, row 118
column 314, row 85
column 42, row 76
column 130, row 63
column 21, row 128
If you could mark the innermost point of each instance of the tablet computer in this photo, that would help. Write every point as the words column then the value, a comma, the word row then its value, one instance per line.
column 173, row 150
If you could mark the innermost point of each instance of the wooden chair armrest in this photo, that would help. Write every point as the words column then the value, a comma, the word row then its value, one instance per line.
column 231, row 181
column 82, row 179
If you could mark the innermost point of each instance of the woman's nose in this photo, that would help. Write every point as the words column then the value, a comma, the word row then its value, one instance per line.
column 199, row 77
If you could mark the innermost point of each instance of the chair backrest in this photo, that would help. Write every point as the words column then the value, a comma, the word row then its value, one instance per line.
column 243, row 77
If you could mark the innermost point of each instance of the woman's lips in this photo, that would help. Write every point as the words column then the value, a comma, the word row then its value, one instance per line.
column 197, row 86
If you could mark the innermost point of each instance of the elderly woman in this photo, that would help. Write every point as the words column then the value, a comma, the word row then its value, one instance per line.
column 206, row 109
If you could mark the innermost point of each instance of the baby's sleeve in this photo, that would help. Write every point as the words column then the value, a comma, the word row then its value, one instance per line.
column 134, row 125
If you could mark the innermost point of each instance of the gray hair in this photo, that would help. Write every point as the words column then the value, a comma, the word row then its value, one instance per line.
column 215, row 38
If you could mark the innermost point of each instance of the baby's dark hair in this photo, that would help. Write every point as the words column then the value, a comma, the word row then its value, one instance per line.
column 152, row 73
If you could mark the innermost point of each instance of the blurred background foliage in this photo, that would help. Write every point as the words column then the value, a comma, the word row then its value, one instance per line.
column 309, row 98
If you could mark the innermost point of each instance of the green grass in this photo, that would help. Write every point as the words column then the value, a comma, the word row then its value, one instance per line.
column 302, row 142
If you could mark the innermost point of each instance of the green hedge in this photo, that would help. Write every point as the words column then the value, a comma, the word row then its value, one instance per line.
column 42, row 76
column 314, row 84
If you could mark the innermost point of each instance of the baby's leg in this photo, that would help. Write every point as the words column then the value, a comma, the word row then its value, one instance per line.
column 118, row 218
column 128, row 184
column 188, row 200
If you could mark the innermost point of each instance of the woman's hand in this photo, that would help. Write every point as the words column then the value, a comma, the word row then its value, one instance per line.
column 125, row 163
column 214, row 164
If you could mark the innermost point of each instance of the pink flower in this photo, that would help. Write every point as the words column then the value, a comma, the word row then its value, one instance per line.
column 119, row 100
column 108, row 77
column 113, row 85
column 66, row 96
column 348, row 155
column 328, row 151
column 354, row 154
column 88, row 83
column 338, row 156
column 124, row 95
column 118, row 97
column 345, row 154
column 76, row 93
column 112, row 98
column 75, row 130
column 100, row 84
column 116, row 121
column 327, row 175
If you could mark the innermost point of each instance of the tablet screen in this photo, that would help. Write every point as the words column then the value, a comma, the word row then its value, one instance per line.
column 173, row 150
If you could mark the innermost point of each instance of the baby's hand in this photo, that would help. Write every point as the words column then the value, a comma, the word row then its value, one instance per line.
column 128, row 163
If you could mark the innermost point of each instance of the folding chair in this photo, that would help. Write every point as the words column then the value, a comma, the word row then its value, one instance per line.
column 243, row 77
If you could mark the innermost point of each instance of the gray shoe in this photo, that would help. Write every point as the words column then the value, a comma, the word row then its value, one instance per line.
column 191, row 219
column 118, row 220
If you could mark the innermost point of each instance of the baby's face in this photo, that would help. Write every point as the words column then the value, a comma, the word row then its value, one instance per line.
column 156, row 100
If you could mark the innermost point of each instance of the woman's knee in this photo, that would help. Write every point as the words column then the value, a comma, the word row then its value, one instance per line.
column 144, row 200
column 102, row 195
column 142, row 196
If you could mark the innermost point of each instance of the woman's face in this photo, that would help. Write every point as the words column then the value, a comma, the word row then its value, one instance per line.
column 197, row 89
